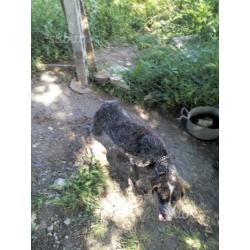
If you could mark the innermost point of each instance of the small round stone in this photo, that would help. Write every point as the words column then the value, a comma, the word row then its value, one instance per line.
column 67, row 221
column 50, row 228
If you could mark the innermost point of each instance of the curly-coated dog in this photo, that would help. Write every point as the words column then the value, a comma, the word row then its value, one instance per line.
column 140, row 142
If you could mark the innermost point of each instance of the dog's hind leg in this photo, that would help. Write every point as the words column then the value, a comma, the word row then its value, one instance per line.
column 98, row 123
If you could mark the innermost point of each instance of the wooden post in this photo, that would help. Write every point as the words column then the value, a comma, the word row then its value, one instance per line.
column 89, row 46
column 73, row 15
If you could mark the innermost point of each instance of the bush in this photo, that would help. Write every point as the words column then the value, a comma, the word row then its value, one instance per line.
column 171, row 77
column 49, row 33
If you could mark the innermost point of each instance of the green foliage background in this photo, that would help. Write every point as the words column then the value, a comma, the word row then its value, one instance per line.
column 164, row 75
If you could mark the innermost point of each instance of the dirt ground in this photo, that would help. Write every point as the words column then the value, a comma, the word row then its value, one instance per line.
column 58, row 142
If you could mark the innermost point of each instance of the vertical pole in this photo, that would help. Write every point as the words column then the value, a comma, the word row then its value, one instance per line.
column 73, row 16
column 89, row 46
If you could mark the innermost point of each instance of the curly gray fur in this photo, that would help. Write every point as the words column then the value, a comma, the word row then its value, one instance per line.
column 131, row 137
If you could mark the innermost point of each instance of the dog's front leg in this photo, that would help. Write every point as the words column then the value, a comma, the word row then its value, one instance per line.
column 139, row 181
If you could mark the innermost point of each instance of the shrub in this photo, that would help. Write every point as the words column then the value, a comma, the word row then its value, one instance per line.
column 172, row 77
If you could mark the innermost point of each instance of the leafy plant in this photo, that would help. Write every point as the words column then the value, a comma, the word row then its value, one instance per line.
column 172, row 77
column 84, row 189
column 49, row 33
column 37, row 200
column 133, row 240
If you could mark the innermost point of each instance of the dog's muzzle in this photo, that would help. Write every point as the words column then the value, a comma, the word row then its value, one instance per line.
column 166, row 210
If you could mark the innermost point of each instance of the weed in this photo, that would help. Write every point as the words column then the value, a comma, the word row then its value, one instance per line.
column 171, row 78
column 37, row 200
column 49, row 33
column 188, row 240
column 83, row 190
column 98, row 228
column 134, row 240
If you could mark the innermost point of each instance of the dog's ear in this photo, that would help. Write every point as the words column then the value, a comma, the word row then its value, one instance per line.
column 154, row 184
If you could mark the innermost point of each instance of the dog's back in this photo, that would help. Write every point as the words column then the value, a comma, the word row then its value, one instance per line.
column 131, row 137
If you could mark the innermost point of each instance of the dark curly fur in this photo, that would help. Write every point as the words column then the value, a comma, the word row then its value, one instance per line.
column 131, row 137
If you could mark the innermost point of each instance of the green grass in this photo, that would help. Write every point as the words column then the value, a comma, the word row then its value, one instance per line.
column 48, row 33
column 98, row 228
column 134, row 240
column 37, row 200
column 189, row 240
column 83, row 190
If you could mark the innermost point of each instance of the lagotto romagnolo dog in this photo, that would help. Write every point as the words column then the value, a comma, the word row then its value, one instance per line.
column 140, row 142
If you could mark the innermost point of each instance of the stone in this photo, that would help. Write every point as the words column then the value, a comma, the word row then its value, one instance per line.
column 101, row 77
column 67, row 221
column 205, row 122
column 59, row 184
column 35, row 145
column 119, row 82
column 148, row 97
column 180, row 41
column 116, row 69
column 50, row 228
column 79, row 88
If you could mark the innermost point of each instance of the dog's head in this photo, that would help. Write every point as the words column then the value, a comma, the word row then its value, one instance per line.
column 169, row 188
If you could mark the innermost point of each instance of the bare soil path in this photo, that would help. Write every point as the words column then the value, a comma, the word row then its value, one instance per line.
column 58, row 142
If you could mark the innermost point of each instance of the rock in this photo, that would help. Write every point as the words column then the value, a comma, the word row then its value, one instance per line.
column 180, row 41
column 79, row 88
column 67, row 221
column 59, row 184
column 116, row 69
column 50, row 228
column 148, row 97
column 119, row 82
column 50, row 128
column 205, row 122
column 101, row 77
column 35, row 145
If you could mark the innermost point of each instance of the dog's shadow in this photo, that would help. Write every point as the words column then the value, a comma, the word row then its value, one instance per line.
column 120, row 168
